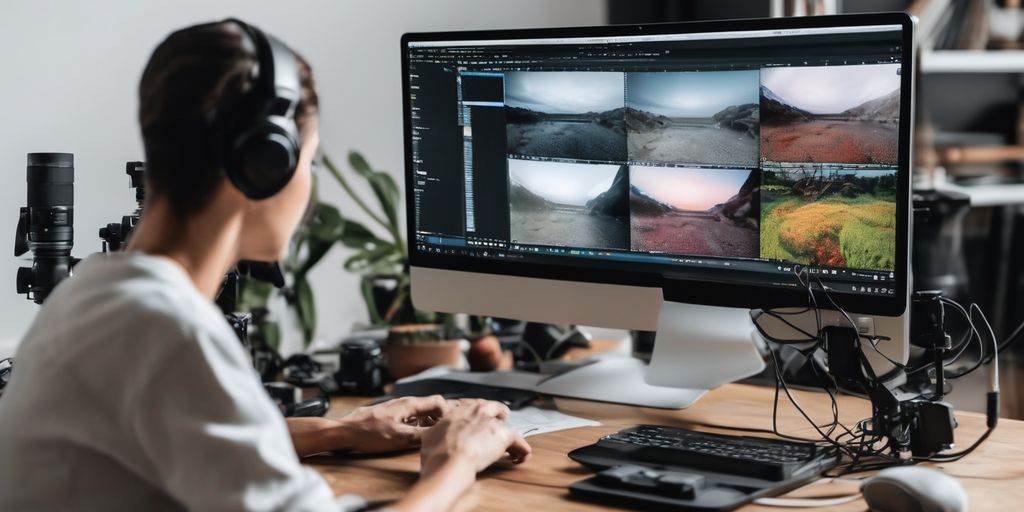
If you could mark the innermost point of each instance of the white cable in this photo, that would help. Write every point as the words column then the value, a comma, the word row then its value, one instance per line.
column 806, row 502
column 993, row 374
column 811, row 502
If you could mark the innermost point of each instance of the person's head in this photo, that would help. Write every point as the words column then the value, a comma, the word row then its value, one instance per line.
column 193, row 95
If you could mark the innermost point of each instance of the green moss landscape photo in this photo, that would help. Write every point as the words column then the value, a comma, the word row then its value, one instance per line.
column 844, row 218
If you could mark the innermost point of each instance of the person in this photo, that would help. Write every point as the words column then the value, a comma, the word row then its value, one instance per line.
column 133, row 393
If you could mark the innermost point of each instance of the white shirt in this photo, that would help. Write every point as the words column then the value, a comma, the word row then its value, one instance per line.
column 131, row 392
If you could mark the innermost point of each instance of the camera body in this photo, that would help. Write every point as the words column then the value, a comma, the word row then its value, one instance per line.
column 115, row 235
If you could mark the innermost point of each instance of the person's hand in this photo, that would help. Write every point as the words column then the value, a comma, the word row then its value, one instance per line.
column 473, row 434
column 393, row 425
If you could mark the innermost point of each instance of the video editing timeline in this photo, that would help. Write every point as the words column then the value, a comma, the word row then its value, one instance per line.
column 745, row 155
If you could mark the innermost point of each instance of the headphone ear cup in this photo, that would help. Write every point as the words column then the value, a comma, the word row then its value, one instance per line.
column 264, row 159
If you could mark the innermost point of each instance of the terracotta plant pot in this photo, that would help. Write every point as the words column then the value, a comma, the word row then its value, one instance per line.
column 485, row 354
column 410, row 349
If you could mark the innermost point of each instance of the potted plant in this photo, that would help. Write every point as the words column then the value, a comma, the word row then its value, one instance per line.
column 416, row 339
column 309, row 245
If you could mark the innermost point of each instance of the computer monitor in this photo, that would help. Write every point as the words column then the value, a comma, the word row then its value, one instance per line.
column 667, row 177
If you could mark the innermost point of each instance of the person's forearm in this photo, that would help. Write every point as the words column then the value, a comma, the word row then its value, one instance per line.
column 315, row 435
column 438, row 489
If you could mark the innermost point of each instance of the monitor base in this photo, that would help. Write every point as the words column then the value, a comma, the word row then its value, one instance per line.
column 618, row 380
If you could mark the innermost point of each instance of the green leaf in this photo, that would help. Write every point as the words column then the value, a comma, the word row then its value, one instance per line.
column 389, row 266
column 253, row 294
column 340, row 178
column 366, row 287
column 316, row 250
column 327, row 223
column 355, row 235
column 306, row 308
column 368, row 257
column 271, row 333
column 387, row 195
column 383, row 186
column 359, row 164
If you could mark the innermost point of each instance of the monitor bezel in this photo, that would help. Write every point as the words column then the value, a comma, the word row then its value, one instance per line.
column 695, row 291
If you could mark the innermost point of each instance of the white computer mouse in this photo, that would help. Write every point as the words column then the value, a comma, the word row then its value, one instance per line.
column 913, row 488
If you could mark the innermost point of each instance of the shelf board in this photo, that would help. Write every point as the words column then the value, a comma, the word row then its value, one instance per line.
column 989, row 195
column 972, row 61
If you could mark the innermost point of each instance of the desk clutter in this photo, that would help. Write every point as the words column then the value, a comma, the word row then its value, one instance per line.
column 671, row 468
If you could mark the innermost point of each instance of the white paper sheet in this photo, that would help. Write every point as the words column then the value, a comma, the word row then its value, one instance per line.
column 532, row 421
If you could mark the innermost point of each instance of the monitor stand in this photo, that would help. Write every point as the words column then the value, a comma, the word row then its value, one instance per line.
column 703, row 347
column 697, row 348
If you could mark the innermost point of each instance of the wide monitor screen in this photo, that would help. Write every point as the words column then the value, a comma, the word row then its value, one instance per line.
column 729, row 153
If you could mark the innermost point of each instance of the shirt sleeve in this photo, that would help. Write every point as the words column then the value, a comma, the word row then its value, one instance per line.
column 215, row 439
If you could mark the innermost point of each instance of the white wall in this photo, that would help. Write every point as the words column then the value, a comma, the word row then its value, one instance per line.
column 70, row 70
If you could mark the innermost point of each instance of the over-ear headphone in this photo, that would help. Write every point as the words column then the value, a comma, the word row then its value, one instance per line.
column 259, row 136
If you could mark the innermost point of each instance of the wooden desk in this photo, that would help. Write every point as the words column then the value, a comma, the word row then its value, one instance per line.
column 993, row 475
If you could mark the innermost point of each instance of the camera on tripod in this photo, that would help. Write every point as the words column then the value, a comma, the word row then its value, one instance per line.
column 46, row 224
column 115, row 235
column 46, row 227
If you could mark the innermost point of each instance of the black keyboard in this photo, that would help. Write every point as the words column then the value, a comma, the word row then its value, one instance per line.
column 766, row 459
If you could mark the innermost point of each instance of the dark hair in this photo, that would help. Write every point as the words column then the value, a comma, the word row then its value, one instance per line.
column 192, row 75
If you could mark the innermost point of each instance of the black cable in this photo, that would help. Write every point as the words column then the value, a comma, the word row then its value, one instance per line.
column 753, row 430
column 756, row 316
column 523, row 482
column 872, row 340
column 1012, row 338
column 975, row 335
column 953, row 457
column 862, row 447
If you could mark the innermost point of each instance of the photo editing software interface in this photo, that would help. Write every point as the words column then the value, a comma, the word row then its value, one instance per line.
column 708, row 154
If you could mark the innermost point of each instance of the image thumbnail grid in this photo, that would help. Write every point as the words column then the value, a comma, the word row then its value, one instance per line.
column 745, row 123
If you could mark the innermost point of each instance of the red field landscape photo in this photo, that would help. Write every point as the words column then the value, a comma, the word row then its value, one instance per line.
column 830, row 114
column 694, row 211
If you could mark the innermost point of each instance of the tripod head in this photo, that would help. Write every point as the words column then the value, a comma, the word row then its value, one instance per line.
column 115, row 235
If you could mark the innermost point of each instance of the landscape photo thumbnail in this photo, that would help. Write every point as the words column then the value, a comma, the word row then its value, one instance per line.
column 569, row 204
column 694, row 211
column 831, row 114
column 693, row 117
column 838, row 218
column 566, row 114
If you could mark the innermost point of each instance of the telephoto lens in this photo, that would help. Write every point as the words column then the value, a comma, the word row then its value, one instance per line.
column 46, row 224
